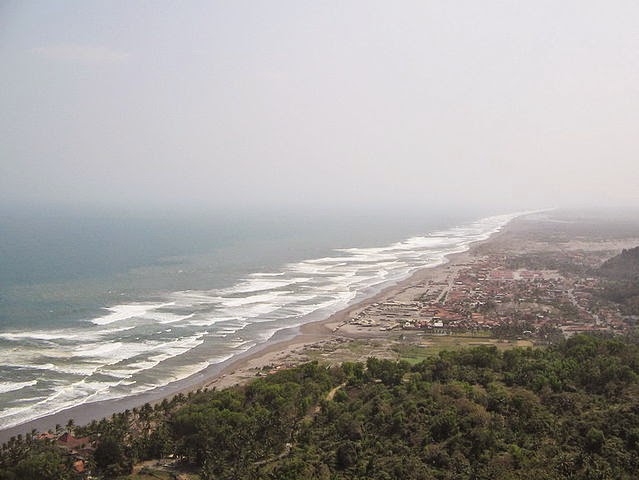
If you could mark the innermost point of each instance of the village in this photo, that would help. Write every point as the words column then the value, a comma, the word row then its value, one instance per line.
column 77, row 449
column 483, row 295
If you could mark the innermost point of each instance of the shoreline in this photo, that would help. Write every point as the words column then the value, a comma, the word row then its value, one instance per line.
column 235, row 370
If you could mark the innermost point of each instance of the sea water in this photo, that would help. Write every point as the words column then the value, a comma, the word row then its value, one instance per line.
column 95, row 308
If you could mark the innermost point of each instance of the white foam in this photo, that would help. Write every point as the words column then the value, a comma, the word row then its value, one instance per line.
column 211, row 320
column 114, row 330
column 262, row 298
column 76, row 335
column 254, row 285
column 191, row 297
column 128, row 311
column 96, row 351
column 38, row 335
column 165, row 317
column 178, row 373
column 74, row 394
column 13, row 386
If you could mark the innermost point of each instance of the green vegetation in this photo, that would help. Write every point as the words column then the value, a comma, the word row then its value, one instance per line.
column 434, row 344
column 570, row 411
column 555, row 260
column 412, row 353
column 626, row 294
column 624, row 266
column 33, row 459
column 622, row 285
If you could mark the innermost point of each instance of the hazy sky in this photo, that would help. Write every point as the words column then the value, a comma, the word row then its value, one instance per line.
column 305, row 103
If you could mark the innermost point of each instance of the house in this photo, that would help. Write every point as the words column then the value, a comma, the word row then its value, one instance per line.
column 70, row 442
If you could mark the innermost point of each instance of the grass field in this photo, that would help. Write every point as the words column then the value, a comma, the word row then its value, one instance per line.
column 150, row 473
column 410, row 346
column 415, row 352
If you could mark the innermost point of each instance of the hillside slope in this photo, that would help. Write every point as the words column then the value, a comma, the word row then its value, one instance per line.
column 624, row 266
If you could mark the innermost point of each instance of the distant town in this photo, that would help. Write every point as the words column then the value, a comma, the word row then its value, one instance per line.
column 511, row 294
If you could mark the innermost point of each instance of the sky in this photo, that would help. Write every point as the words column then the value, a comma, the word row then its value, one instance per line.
column 319, row 104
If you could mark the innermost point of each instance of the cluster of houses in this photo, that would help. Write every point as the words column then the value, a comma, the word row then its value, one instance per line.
column 79, row 449
column 483, row 294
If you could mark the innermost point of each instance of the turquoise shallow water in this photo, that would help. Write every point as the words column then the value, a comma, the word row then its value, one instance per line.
column 92, row 309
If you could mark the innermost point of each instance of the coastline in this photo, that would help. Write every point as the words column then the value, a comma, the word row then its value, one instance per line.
column 239, row 368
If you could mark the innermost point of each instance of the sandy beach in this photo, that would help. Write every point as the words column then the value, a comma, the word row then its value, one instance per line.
column 286, row 348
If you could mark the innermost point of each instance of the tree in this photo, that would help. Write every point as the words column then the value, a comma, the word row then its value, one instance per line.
column 48, row 465
column 110, row 458
column 594, row 440
column 346, row 455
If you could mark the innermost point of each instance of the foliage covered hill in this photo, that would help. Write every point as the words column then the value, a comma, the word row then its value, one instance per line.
column 567, row 412
column 622, row 287
column 624, row 266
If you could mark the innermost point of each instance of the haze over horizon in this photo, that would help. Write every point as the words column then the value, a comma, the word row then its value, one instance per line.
column 362, row 104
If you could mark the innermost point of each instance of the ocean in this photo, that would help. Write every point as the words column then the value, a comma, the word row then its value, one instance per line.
column 101, row 307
